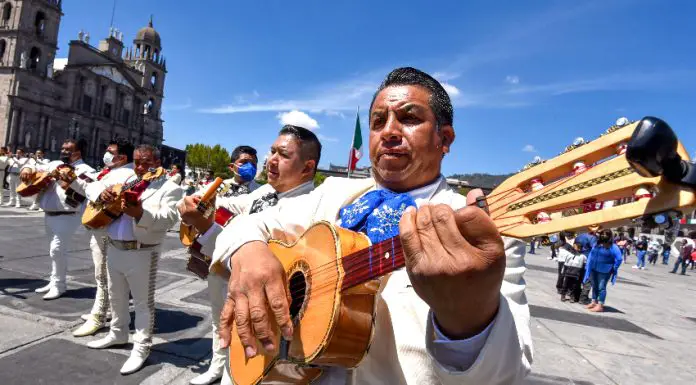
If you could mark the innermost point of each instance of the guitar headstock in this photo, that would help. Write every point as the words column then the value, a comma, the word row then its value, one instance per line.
column 593, row 183
column 154, row 174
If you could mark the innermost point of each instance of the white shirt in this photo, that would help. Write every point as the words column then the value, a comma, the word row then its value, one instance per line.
column 52, row 199
column 122, row 229
column 3, row 163
column 16, row 164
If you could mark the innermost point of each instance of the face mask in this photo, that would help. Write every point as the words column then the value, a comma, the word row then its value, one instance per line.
column 65, row 157
column 247, row 171
column 108, row 158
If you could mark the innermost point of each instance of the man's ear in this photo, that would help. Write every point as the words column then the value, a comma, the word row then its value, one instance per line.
column 309, row 167
column 447, row 137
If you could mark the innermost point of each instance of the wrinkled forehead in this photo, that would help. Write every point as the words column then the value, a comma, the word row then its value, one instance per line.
column 397, row 96
column 143, row 155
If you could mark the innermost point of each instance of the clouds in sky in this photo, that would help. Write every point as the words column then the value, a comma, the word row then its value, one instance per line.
column 298, row 118
column 451, row 90
column 512, row 79
column 529, row 148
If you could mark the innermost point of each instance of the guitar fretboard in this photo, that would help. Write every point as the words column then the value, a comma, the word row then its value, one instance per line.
column 373, row 262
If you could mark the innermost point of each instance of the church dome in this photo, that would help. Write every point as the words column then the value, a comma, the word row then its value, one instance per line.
column 149, row 34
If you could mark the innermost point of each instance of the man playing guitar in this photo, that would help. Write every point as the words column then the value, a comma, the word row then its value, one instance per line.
column 457, row 313
column 40, row 161
column 291, row 168
column 62, row 202
column 118, row 165
column 134, row 247
column 16, row 163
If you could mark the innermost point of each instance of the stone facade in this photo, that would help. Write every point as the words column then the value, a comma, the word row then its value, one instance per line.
column 96, row 94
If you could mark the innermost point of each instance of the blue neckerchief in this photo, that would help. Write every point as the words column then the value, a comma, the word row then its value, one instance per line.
column 376, row 214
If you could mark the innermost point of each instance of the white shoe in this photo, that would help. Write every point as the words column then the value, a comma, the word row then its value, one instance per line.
column 88, row 328
column 107, row 342
column 635, row 267
column 18, row 206
column 33, row 207
column 88, row 316
column 642, row 268
column 8, row 204
column 53, row 293
column 136, row 360
column 44, row 289
column 206, row 378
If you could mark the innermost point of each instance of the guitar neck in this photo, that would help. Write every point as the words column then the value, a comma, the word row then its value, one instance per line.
column 373, row 262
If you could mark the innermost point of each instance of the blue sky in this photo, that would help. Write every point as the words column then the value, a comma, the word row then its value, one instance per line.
column 526, row 77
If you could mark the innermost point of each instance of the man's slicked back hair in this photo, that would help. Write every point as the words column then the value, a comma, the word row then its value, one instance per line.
column 124, row 147
column 439, row 100
column 310, row 147
column 237, row 152
column 152, row 149
column 80, row 144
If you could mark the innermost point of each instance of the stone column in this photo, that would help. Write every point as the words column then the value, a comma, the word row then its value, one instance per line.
column 42, row 132
column 20, row 132
column 47, row 134
column 14, row 127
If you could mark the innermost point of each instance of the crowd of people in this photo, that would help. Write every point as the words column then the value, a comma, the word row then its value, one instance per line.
column 588, row 261
column 459, row 302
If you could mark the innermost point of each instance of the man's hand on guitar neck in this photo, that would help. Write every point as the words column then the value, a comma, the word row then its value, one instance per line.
column 192, row 215
column 256, row 285
column 108, row 195
column 26, row 175
column 456, row 262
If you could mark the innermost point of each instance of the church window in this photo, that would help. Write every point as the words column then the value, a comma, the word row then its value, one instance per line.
column 137, row 50
column 6, row 13
column 153, row 80
column 150, row 106
column 125, row 117
column 3, row 45
column 40, row 23
column 86, row 103
column 34, row 58
column 107, row 109
column 146, row 52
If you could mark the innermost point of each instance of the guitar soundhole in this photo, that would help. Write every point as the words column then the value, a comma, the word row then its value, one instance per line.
column 298, row 291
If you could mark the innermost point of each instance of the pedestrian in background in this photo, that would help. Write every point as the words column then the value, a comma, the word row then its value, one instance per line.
column 641, row 250
column 684, row 256
column 573, row 270
column 602, row 266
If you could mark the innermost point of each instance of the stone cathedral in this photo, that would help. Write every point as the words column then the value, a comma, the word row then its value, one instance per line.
column 97, row 93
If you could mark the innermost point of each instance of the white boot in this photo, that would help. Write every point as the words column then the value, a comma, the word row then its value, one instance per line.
column 107, row 342
column 207, row 378
column 33, row 206
column 44, row 289
column 88, row 328
column 136, row 360
column 53, row 293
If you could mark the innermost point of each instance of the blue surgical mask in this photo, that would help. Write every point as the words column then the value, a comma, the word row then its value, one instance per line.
column 247, row 171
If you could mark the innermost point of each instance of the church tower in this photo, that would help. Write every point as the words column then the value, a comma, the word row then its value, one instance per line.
column 28, row 44
column 146, row 57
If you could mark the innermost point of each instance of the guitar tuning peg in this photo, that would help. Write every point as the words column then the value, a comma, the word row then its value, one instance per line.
column 537, row 184
column 543, row 217
column 622, row 121
column 579, row 167
column 643, row 193
column 579, row 141
column 621, row 148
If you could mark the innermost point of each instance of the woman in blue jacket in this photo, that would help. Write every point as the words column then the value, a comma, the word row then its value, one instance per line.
column 602, row 265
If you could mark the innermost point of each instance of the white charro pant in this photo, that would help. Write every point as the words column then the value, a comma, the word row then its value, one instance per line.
column 135, row 270
column 2, row 185
column 98, row 244
column 13, row 182
column 217, row 289
column 60, row 229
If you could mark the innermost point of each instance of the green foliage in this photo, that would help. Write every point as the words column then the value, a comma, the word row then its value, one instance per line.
column 202, row 157
column 319, row 179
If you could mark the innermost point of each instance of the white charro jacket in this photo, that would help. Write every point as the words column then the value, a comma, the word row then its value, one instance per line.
column 401, row 352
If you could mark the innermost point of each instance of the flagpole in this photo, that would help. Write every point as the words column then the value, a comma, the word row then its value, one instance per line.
column 350, row 153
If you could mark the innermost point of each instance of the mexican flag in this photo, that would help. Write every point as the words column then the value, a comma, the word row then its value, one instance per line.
column 356, row 148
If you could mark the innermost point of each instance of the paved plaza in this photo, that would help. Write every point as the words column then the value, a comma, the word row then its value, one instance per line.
column 648, row 336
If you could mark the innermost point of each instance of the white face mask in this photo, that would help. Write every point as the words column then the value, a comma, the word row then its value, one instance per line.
column 108, row 158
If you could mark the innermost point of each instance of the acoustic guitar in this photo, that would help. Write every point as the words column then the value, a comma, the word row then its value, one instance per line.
column 331, row 272
column 99, row 214
column 188, row 233
column 42, row 180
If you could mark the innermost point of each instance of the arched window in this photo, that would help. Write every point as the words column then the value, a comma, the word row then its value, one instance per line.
column 153, row 80
column 40, row 23
column 150, row 106
column 34, row 58
column 6, row 13
column 146, row 52
column 137, row 50
column 3, row 45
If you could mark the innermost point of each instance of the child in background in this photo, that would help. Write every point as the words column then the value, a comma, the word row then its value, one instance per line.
column 573, row 269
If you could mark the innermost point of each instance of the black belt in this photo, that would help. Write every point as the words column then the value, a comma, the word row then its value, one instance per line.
column 130, row 245
column 59, row 213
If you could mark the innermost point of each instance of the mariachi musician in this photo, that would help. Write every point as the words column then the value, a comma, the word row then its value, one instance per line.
column 62, row 202
column 134, row 248
column 291, row 168
column 15, row 164
column 457, row 314
column 41, row 162
column 4, row 158
column 243, row 163
column 118, row 165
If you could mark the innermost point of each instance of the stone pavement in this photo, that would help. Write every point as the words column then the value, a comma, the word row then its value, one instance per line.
column 647, row 337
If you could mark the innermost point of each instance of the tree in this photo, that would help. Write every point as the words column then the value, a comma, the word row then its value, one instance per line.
column 319, row 179
column 201, row 158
